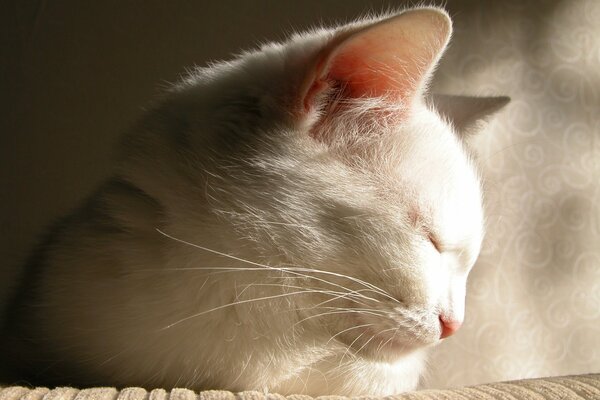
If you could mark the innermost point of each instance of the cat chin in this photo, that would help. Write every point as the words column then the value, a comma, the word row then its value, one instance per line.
column 390, row 352
column 377, row 346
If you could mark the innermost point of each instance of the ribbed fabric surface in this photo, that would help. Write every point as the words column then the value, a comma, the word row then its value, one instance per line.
column 555, row 388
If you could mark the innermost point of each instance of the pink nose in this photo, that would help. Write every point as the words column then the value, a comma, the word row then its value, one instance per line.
column 449, row 327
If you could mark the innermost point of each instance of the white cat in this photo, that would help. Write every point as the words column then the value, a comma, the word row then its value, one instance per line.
column 301, row 219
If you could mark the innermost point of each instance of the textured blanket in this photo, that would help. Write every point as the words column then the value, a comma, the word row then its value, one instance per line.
column 555, row 388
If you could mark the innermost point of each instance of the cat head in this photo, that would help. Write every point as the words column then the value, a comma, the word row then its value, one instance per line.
column 325, row 155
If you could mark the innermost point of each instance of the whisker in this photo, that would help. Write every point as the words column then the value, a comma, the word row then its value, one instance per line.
column 370, row 310
column 341, row 311
column 235, row 303
column 294, row 269
column 307, row 289
column 348, row 349
column 223, row 270
column 346, row 330
column 285, row 224
column 373, row 337
column 376, row 289
column 382, row 345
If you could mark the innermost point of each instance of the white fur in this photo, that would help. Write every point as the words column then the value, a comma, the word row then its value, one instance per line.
column 292, row 242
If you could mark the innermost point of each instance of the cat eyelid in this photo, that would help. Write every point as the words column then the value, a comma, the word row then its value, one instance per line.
column 440, row 246
column 428, row 233
column 434, row 241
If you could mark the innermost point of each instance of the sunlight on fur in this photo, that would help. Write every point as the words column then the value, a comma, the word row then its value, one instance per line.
column 300, row 219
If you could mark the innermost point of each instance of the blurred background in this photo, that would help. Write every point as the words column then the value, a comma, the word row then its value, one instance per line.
column 74, row 75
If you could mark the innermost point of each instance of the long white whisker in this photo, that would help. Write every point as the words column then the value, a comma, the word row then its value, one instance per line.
column 373, row 337
column 349, row 347
column 346, row 330
column 360, row 281
column 231, row 305
column 361, row 347
column 371, row 310
column 305, row 289
column 382, row 345
column 290, row 270
column 340, row 311
column 286, row 285
column 285, row 224
column 334, row 299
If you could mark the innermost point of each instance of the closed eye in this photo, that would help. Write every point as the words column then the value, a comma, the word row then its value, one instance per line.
column 435, row 242
column 423, row 228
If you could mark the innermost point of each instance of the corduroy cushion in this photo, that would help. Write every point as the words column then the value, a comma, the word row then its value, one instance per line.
column 554, row 388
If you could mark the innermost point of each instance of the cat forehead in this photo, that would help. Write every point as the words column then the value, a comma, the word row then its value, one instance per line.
column 432, row 174
column 441, row 173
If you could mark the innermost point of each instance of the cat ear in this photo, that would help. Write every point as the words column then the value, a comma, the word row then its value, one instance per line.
column 467, row 113
column 391, row 58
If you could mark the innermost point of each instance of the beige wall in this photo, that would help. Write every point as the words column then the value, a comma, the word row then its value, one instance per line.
column 74, row 76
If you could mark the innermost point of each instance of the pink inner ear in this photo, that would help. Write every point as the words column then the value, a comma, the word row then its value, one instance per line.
column 366, row 69
column 390, row 58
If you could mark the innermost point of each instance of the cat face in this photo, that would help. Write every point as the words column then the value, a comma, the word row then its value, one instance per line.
column 323, row 156
column 404, row 214
column 425, row 237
